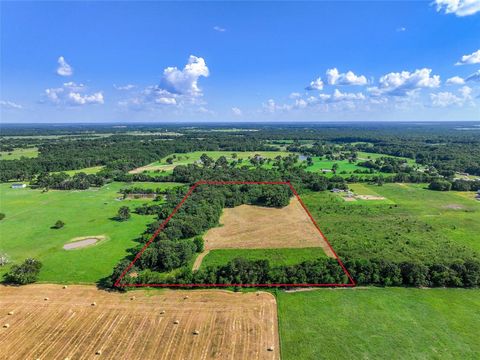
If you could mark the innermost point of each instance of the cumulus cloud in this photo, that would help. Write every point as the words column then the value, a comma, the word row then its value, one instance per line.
column 474, row 77
column 236, row 111
column 473, row 58
column 455, row 80
column 185, row 81
column 401, row 29
column 348, row 78
column 458, row 7
column 124, row 87
column 64, row 69
column 177, row 89
column 73, row 94
column 316, row 84
column 295, row 95
column 446, row 99
column 219, row 29
column 405, row 83
column 5, row 104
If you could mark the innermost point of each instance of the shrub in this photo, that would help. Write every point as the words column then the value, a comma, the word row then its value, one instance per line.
column 25, row 273
column 58, row 225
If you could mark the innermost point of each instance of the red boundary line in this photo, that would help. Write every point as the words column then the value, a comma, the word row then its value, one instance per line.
column 190, row 191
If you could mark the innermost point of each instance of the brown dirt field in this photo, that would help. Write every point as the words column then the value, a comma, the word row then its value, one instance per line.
column 231, row 325
column 256, row 227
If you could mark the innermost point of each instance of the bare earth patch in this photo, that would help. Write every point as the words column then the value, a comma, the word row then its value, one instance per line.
column 369, row 197
column 203, row 324
column 256, row 227
column 454, row 207
column 82, row 242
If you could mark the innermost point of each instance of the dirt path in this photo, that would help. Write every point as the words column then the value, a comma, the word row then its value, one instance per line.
column 199, row 259
column 49, row 322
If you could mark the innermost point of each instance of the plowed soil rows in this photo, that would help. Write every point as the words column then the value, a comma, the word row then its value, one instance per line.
column 67, row 325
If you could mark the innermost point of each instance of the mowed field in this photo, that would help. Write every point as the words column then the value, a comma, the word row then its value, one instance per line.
column 379, row 323
column 256, row 227
column 30, row 214
column 412, row 223
column 136, row 325
column 194, row 157
column 19, row 153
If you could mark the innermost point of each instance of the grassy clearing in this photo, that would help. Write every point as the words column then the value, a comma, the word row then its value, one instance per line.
column 88, row 171
column 276, row 257
column 378, row 323
column 421, row 225
column 194, row 157
column 19, row 153
column 25, row 230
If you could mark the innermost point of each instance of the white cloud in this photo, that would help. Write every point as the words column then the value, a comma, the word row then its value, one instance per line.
column 316, row 84
column 5, row 104
column 64, row 69
column 219, row 29
column 236, row 111
column 339, row 96
column 473, row 58
column 405, row 83
column 73, row 94
column 474, row 77
column 295, row 95
column 124, row 87
column 185, row 82
column 456, row 80
column 458, row 7
column 348, row 78
column 165, row 101
column 401, row 29
column 446, row 99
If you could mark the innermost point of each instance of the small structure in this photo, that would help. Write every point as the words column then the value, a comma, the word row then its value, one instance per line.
column 19, row 186
column 335, row 190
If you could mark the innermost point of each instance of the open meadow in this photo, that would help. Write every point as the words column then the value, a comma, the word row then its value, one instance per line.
column 379, row 323
column 411, row 223
column 81, row 322
column 29, row 215
column 19, row 153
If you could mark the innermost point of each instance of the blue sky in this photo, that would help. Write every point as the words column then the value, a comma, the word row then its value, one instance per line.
column 232, row 61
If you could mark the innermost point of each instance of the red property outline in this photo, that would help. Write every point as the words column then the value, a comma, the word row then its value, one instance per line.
column 190, row 191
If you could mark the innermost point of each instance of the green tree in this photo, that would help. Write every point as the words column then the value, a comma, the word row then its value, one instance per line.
column 58, row 225
column 123, row 213
column 25, row 273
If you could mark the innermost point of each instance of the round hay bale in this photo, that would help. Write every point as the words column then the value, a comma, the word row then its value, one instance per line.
column 99, row 352
column 196, row 332
column 46, row 299
column 10, row 313
column 6, row 326
column 176, row 322
column 94, row 303
column 65, row 286
column 185, row 297
column 162, row 312
column 132, row 298
column 270, row 348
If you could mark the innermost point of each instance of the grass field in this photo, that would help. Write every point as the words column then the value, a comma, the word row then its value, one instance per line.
column 415, row 223
column 379, row 323
column 194, row 157
column 88, row 171
column 19, row 153
column 276, row 257
column 25, row 230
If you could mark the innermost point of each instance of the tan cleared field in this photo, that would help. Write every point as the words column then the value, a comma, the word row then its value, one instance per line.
column 151, row 168
column 81, row 322
column 256, row 227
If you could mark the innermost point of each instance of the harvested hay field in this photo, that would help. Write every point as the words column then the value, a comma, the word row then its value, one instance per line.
column 203, row 324
column 151, row 168
column 256, row 227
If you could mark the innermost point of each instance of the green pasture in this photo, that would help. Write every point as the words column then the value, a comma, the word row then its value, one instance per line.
column 414, row 224
column 19, row 153
column 88, row 171
column 379, row 323
column 276, row 257
column 29, row 214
